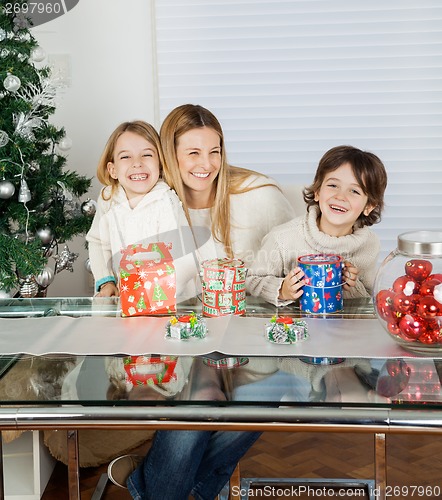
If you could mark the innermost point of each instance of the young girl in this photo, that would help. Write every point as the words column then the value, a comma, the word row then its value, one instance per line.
column 135, row 206
column 347, row 196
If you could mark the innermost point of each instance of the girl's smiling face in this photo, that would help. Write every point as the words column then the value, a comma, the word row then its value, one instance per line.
column 198, row 154
column 341, row 201
column 136, row 165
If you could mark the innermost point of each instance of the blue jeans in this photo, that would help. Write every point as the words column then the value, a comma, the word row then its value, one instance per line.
column 180, row 463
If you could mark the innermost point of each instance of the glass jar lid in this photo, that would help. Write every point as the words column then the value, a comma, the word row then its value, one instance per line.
column 421, row 243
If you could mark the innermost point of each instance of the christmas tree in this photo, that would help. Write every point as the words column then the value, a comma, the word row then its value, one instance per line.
column 39, row 199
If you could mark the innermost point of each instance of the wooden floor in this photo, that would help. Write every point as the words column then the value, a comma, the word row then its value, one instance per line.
column 413, row 460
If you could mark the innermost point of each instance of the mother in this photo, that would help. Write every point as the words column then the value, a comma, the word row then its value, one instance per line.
column 237, row 208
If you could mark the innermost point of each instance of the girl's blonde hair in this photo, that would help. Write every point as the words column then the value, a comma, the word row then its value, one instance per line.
column 138, row 127
column 229, row 179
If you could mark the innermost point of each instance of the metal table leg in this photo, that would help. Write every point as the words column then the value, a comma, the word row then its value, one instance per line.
column 2, row 482
column 73, row 466
column 380, row 464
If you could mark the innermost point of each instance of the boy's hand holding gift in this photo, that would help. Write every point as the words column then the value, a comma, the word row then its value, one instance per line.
column 291, row 288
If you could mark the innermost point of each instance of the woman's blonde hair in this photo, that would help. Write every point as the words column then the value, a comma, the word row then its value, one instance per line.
column 229, row 180
column 138, row 127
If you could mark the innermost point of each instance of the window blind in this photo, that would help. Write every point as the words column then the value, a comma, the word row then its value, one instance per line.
column 288, row 80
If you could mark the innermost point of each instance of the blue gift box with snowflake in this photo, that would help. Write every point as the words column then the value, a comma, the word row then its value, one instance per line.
column 147, row 280
column 323, row 283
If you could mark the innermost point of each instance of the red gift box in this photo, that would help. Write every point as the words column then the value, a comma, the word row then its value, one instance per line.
column 147, row 280
column 149, row 370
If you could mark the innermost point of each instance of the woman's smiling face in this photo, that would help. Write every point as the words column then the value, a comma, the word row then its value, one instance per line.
column 198, row 154
column 341, row 201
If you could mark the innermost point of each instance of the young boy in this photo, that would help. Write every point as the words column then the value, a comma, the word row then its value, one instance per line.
column 347, row 196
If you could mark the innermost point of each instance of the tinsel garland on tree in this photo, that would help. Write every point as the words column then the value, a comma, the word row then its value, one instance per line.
column 39, row 200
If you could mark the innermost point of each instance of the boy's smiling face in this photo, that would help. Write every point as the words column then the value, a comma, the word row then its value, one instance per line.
column 341, row 201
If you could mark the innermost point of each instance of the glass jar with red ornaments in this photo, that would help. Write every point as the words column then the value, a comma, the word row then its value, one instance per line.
column 408, row 292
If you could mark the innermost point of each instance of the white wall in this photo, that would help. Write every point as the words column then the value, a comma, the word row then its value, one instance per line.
column 109, row 46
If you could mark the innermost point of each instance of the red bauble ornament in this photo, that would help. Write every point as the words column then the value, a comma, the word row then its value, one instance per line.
column 406, row 284
column 428, row 307
column 434, row 329
column 429, row 338
column 427, row 287
column 411, row 327
column 419, row 269
column 393, row 378
column 393, row 328
column 437, row 276
column 384, row 304
column 397, row 367
column 405, row 304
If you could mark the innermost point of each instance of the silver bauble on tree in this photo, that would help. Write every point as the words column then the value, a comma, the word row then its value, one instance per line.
column 65, row 144
column 4, row 138
column 89, row 207
column 7, row 190
column 38, row 54
column 11, row 83
column 45, row 234
column 28, row 287
column 87, row 265
column 45, row 277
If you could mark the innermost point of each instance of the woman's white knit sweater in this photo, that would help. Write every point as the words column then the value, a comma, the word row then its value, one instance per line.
column 300, row 236
column 252, row 215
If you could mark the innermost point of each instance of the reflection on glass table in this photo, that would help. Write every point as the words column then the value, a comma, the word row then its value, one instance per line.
column 102, row 306
column 262, row 381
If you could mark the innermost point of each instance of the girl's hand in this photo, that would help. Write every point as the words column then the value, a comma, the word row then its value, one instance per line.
column 109, row 289
column 350, row 275
column 291, row 288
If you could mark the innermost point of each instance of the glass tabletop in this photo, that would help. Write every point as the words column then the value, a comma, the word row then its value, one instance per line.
column 215, row 379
